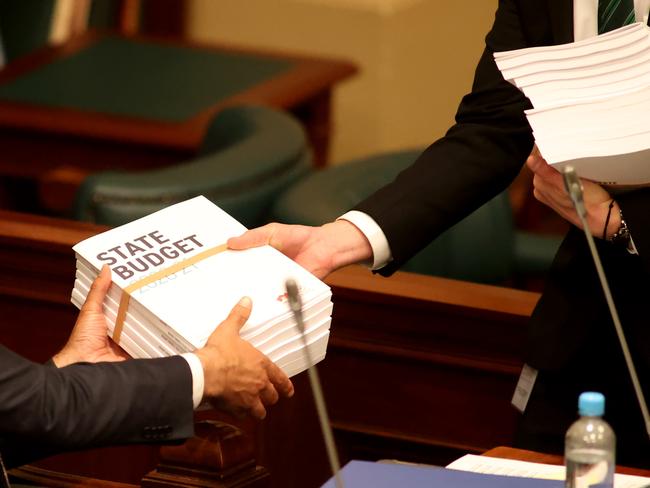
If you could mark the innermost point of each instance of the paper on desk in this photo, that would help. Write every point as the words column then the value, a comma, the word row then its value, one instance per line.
column 509, row 467
column 363, row 474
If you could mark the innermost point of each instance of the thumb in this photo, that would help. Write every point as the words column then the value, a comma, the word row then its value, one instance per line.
column 535, row 161
column 237, row 316
column 538, row 165
column 252, row 238
column 98, row 291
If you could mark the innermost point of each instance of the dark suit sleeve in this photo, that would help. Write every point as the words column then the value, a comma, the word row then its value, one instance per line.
column 44, row 410
column 477, row 159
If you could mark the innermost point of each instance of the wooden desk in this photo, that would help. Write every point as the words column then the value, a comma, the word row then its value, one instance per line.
column 538, row 457
column 57, row 145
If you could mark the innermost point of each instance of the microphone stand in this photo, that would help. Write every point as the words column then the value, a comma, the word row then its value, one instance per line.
column 295, row 303
column 574, row 188
column 4, row 479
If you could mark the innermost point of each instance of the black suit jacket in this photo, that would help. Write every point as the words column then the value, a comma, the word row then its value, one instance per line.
column 477, row 159
column 44, row 410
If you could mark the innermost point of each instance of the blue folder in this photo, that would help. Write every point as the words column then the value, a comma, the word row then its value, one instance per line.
column 362, row 474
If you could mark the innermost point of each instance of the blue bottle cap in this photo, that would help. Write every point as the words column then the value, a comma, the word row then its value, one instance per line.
column 591, row 404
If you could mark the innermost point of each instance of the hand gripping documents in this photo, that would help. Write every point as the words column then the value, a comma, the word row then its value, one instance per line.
column 174, row 280
column 591, row 100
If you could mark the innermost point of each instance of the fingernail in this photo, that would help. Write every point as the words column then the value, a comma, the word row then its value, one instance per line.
column 245, row 302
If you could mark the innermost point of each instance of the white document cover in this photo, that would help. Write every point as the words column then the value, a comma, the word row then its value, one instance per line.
column 195, row 300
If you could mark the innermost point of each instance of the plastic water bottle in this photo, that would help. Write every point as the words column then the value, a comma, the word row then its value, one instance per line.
column 590, row 446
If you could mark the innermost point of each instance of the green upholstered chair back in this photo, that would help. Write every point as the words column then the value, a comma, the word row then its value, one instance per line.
column 24, row 25
column 480, row 248
column 248, row 157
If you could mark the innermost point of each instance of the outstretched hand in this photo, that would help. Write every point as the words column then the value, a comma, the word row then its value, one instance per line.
column 88, row 341
column 550, row 190
column 319, row 250
column 237, row 377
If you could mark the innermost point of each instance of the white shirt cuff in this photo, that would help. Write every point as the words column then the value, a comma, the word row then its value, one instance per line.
column 381, row 253
column 198, row 380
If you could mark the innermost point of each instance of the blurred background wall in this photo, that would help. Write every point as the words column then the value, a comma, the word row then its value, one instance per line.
column 416, row 58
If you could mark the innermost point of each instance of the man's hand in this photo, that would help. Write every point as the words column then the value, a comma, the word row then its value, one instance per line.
column 550, row 190
column 319, row 250
column 238, row 377
column 88, row 341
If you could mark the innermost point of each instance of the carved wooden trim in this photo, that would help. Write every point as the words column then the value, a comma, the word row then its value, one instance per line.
column 219, row 455
column 53, row 479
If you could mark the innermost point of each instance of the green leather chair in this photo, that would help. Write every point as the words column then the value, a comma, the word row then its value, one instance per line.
column 24, row 26
column 484, row 247
column 248, row 157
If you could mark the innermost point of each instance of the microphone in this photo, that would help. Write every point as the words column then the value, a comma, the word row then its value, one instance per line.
column 4, row 479
column 574, row 188
column 295, row 303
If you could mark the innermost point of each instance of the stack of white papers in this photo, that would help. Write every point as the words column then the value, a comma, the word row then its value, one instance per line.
column 182, row 282
column 509, row 467
column 591, row 100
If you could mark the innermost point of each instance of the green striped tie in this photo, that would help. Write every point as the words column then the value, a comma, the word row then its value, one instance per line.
column 613, row 14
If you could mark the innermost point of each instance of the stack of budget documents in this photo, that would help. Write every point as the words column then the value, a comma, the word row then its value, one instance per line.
column 591, row 99
column 174, row 281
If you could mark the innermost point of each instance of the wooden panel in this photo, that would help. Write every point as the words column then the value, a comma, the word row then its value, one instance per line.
column 425, row 360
